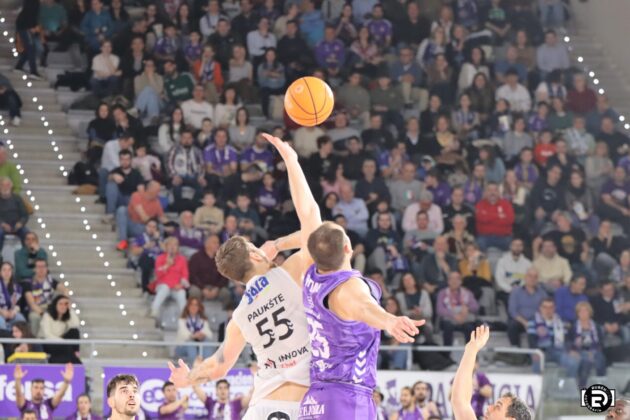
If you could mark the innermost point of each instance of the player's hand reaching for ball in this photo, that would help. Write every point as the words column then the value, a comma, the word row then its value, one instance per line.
column 479, row 338
column 404, row 329
column 285, row 150
column 179, row 374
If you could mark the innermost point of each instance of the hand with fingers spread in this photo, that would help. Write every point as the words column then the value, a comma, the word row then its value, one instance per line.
column 68, row 373
column 19, row 373
column 479, row 338
column 285, row 150
column 404, row 329
column 179, row 374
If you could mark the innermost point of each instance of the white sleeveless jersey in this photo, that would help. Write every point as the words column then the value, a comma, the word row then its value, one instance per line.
column 271, row 318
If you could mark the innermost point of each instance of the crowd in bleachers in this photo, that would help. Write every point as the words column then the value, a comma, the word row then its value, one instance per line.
column 478, row 174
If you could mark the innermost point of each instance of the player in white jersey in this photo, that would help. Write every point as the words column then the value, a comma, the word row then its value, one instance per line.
column 270, row 315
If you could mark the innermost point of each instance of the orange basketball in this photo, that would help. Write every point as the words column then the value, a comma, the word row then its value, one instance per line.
column 309, row 101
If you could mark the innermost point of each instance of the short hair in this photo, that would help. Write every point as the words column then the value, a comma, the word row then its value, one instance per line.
column 38, row 381
column 167, row 384
column 232, row 259
column 222, row 381
column 547, row 300
column 125, row 152
column 325, row 245
column 322, row 140
column 28, row 411
column 517, row 409
column 86, row 396
column 584, row 304
column 121, row 378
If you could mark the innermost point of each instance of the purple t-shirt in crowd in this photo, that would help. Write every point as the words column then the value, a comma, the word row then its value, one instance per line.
column 619, row 193
column 251, row 155
column 416, row 414
column 43, row 410
column 380, row 29
column 178, row 414
column 90, row 416
column 219, row 158
column 223, row 411
column 479, row 400
column 342, row 351
column 268, row 198
column 330, row 55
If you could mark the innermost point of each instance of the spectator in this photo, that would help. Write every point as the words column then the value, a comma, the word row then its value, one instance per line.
column 190, row 238
column 259, row 40
column 167, row 46
column 602, row 109
column 381, row 29
column 408, row 73
column 100, row 130
column 457, row 309
column 209, row 217
column 58, row 323
column 546, row 196
column 143, row 206
column 456, row 207
column 203, row 271
column 511, row 269
column 209, row 22
column 149, row 91
column 220, row 159
column 586, row 342
column 225, row 110
column 13, row 214
column 494, row 218
column 511, row 62
column 571, row 242
column 221, row 402
column 552, row 55
column 330, row 53
column 422, row 395
column 341, row 131
column 554, row 270
column 353, row 209
column 144, row 249
column 425, row 203
column 149, row 166
column 223, row 41
column 26, row 24
column 192, row 327
column 123, row 181
column 415, row 303
column 621, row 269
column 545, row 149
column 392, row 359
column 42, row 406
column 178, row 86
column 431, row 47
column 311, row 23
column 436, row 266
column 523, row 303
column 26, row 256
column 370, row 188
column 84, row 409
column 186, row 167
column 293, row 51
column 475, row 270
column 127, row 126
column 474, row 64
column 271, row 78
column 616, row 141
column 241, row 71
column 581, row 143
column 96, row 26
column 551, row 88
column 111, row 160
column 388, row 101
column 567, row 297
column 607, row 309
column 10, row 99
column 459, row 238
column 495, row 169
column 171, row 280
column 242, row 132
column 197, row 108
column 39, row 293
column 546, row 332
column 516, row 139
column 581, row 99
column 415, row 28
column 208, row 73
column 172, row 406
column 615, row 199
column 106, row 74
column 514, row 93
column 10, row 296
column 244, row 210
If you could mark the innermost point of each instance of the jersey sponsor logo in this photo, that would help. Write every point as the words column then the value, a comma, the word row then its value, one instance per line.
column 311, row 408
column 270, row 364
column 311, row 285
column 256, row 289
column 291, row 355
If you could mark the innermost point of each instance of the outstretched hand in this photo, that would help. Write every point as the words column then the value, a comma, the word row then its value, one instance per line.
column 179, row 374
column 479, row 338
column 270, row 249
column 285, row 150
column 404, row 329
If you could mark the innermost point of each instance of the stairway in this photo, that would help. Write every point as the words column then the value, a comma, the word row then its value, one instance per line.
column 81, row 249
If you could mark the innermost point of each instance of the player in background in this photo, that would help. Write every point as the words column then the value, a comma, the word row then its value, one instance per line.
column 172, row 408
column 409, row 409
column 421, row 394
column 43, row 407
column 270, row 316
column 123, row 397
column 619, row 411
column 221, row 407
column 508, row 407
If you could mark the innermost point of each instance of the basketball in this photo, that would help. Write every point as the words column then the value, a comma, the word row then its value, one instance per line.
column 309, row 101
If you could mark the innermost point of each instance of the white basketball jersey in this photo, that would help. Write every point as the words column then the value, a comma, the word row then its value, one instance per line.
column 271, row 318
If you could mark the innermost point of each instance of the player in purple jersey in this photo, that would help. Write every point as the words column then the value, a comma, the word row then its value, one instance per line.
column 421, row 393
column 43, row 407
column 221, row 407
column 84, row 409
column 409, row 410
column 123, row 397
column 508, row 407
column 172, row 408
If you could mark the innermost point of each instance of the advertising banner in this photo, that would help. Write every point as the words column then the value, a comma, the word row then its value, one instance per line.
column 51, row 374
column 525, row 386
column 151, row 381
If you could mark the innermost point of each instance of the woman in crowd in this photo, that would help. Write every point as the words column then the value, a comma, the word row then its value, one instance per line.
column 10, row 295
column 58, row 323
column 193, row 327
column 415, row 302
column 481, row 96
column 169, row 132
column 465, row 120
column 100, row 130
column 271, row 79
column 475, row 270
column 328, row 204
column 598, row 167
column 225, row 110
column 459, row 237
column 105, row 72
column 580, row 201
column 431, row 47
column 366, row 54
column 242, row 132
column 392, row 359
column 475, row 64
column 585, row 341
column 495, row 168
column 21, row 330
column 171, row 277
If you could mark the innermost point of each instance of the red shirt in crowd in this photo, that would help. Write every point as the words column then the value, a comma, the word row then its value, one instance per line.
column 173, row 274
column 542, row 152
column 494, row 219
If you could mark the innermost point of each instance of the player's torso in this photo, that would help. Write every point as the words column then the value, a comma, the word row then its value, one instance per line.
column 342, row 351
column 271, row 318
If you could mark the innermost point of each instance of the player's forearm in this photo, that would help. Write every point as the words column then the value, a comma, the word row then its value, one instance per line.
column 289, row 242
column 19, row 395
column 60, row 393
column 305, row 204
column 209, row 370
column 371, row 313
column 462, row 384
column 171, row 408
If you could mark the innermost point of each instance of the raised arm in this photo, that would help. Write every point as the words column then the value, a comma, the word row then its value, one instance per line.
column 214, row 367
column 67, row 376
column 18, row 375
column 352, row 301
column 462, row 389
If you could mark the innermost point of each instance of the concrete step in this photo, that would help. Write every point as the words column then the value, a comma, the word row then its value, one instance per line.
column 47, row 154
column 62, row 232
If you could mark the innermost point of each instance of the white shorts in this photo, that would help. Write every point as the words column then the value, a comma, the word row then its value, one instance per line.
column 273, row 410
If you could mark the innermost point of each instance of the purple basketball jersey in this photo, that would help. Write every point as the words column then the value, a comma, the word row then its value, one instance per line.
column 43, row 410
column 342, row 351
column 416, row 414
column 223, row 411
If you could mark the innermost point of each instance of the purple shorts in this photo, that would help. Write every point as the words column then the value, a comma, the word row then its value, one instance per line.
column 330, row 400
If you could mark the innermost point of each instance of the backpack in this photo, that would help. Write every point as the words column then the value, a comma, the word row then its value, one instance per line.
column 83, row 173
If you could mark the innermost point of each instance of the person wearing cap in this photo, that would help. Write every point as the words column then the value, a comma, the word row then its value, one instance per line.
column 426, row 204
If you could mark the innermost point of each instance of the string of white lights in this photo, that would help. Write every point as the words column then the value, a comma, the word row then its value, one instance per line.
column 64, row 172
column 591, row 74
